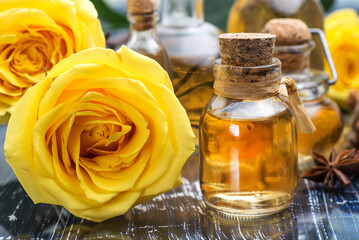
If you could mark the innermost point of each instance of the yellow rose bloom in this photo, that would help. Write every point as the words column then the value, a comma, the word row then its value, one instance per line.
column 342, row 33
column 37, row 34
column 101, row 133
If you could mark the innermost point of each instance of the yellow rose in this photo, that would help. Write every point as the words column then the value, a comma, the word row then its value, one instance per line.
column 342, row 33
column 37, row 34
column 101, row 133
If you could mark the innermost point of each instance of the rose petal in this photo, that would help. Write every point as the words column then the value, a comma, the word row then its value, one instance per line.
column 126, row 177
column 18, row 143
column 8, row 39
column 179, row 139
column 118, row 205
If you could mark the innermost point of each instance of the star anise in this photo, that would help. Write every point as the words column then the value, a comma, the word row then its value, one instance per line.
column 342, row 167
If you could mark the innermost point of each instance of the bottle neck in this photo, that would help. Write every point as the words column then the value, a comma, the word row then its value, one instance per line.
column 295, row 58
column 312, row 84
column 247, row 83
column 144, row 39
column 142, row 24
column 181, row 13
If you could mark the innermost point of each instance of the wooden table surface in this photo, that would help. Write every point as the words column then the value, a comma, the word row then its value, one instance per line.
column 316, row 213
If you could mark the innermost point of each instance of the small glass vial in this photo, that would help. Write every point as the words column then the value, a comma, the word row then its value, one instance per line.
column 192, row 45
column 143, row 36
column 248, row 136
column 252, row 15
column 293, row 48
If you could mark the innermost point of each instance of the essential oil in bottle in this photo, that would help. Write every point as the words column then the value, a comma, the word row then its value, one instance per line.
column 248, row 138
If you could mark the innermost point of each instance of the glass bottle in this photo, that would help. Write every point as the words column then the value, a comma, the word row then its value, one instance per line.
column 293, row 48
column 312, row 85
column 192, row 46
column 143, row 36
column 248, row 145
column 251, row 15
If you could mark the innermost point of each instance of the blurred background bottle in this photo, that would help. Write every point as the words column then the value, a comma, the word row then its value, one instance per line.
column 143, row 37
column 192, row 45
column 251, row 16
column 293, row 48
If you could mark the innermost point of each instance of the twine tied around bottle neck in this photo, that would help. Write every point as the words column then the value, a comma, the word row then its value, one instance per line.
column 257, row 83
column 288, row 90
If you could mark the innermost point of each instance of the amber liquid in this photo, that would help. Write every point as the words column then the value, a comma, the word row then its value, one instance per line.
column 248, row 167
column 193, row 85
column 192, row 49
column 327, row 120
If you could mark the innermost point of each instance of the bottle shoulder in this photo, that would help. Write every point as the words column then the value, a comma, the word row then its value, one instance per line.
column 190, row 42
column 312, row 84
column 145, row 44
column 322, row 103
column 150, row 47
column 195, row 29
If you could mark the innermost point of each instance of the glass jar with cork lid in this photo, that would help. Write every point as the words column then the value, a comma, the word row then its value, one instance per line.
column 293, row 47
column 248, row 134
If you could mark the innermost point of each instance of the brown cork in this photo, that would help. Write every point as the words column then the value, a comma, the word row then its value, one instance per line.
column 246, row 49
column 292, row 44
column 141, row 6
column 289, row 31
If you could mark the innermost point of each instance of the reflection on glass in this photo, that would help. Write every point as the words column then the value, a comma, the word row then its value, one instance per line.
column 192, row 45
column 277, row 226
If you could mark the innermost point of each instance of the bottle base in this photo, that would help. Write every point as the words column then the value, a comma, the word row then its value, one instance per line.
column 250, row 205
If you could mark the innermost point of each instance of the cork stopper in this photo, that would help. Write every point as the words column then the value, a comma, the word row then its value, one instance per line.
column 293, row 44
column 246, row 49
column 289, row 31
column 247, row 69
column 141, row 6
